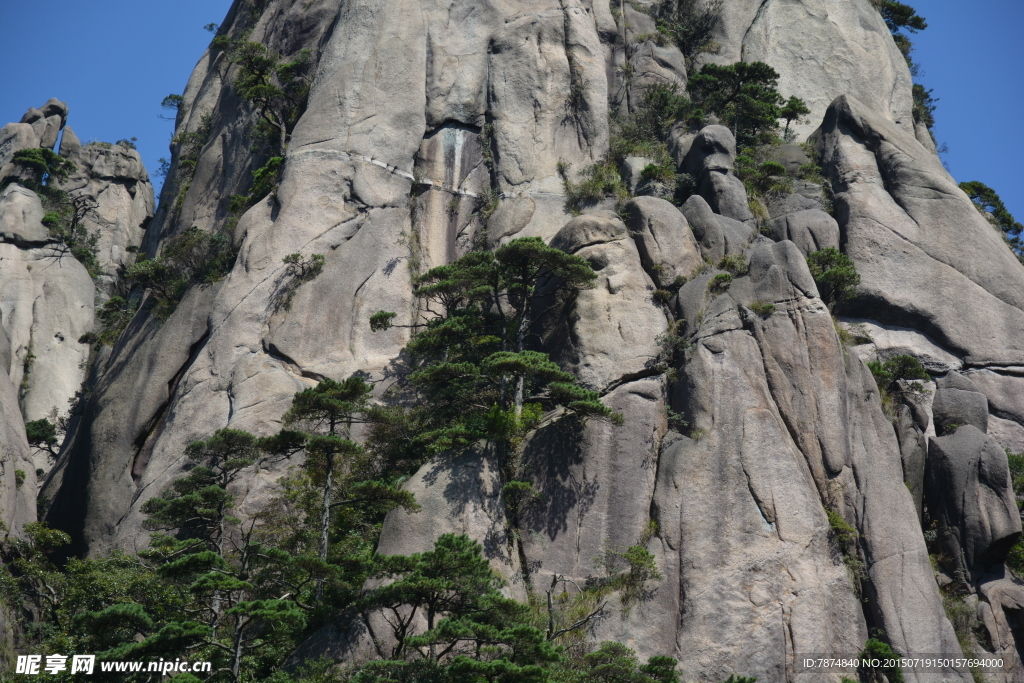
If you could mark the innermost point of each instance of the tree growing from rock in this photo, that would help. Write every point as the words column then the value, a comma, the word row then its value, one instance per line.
column 472, row 364
column 991, row 206
column 745, row 97
column 834, row 273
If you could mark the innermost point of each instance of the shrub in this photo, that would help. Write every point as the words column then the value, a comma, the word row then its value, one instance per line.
column 763, row 309
column 736, row 264
column 987, row 201
column 662, row 296
column 193, row 257
column 299, row 271
column 719, row 283
column 690, row 25
column 876, row 649
column 902, row 367
column 835, row 275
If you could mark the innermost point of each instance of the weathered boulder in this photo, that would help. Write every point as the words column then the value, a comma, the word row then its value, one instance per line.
column 663, row 238
column 863, row 60
column 609, row 334
column 810, row 230
column 852, row 464
column 913, row 453
column 889, row 340
column 14, row 137
column 113, row 188
column 897, row 204
column 717, row 236
column 46, row 305
column 969, row 491
column 655, row 65
column 958, row 402
column 710, row 159
column 21, row 215
column 47, row 122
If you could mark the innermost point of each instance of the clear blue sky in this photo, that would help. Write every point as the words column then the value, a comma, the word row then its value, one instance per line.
column 113, row 61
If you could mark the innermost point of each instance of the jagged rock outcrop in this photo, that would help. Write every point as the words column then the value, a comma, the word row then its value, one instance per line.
column 111, row 181
column 47, row 297
column 711, row 160
column 895, row 201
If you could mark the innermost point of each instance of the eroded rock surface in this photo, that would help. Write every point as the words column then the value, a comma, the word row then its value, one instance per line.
column 746, row 422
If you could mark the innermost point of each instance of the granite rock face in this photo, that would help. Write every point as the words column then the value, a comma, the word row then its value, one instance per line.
column 863, row 60
column 47, row 297
column 748, row 428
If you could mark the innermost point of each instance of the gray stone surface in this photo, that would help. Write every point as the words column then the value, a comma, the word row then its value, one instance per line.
column 46, row 305
column 783, row 421
column 710, row 159
column 17, row 502
column 968, row 489
column 888, row 341
column 740, row 502
column 790, row 203
column 21, row 214
column 1009, row 434
column 896, row 204
column 459, row 495
column 811, row 230
column 663, row 238
column 716, row 235
column 117, row 194
column 862, row 58
column 913, row 452
column 13, row 138
column 47, row 122
column 956, row 406
column 609, row 332
column 1004, row 389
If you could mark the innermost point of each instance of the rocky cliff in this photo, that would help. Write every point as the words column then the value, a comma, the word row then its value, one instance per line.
column 432, row 128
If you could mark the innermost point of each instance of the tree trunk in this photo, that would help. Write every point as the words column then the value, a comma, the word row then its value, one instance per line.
column 325, row 520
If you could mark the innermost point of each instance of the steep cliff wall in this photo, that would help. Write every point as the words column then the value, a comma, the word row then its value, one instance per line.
column 420, row 114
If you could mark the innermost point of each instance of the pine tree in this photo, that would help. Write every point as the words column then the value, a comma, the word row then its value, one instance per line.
column 473, row 369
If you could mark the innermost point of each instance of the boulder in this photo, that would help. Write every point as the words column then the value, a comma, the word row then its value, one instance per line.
column 21, row 215
column 717, row 236
column 711, row 159
column 727, row 195
column 889, row 340
column 111, row 184
column 15, row 137
column 47, row 122
column 969, row 491
column 714, row 149
column 913, row 453
column 959, row 407
column 1004, row 388
column 608, row 334
column 790, row 203
column 664, row 240
column 1009, row 434
column 811, row 230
